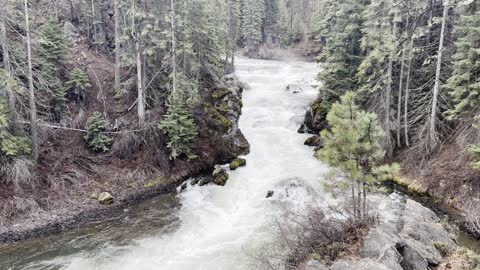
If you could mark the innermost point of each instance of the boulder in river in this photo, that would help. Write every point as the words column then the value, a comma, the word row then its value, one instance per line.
column 237, row 163
column 295, row 88
column 314, row 141
column 220, row 176
column 105, row 198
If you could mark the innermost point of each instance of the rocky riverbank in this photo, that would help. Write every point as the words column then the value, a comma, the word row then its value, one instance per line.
column 219, row 141
column 408, row 236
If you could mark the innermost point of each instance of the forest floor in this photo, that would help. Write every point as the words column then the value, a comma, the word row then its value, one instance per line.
column 446, row 176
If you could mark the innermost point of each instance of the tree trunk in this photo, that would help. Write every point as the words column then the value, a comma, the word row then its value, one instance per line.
column 174, row 50
column 436, row 88
column 7, row 65
column 354, row 201
column 140, row 81
column 33, row 108
column 388, row 98
column 117, row 46
column 400, row 92
column 140, row 99
column 407, row 94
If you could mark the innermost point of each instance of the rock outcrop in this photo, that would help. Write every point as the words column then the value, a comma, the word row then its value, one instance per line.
column 408, row 237
column 219, row 115
column 315, row 118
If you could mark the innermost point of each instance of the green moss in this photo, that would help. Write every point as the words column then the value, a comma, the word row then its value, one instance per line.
column 416, row 190
column 220, row 93
column 221, row 121
column 239, row 162
column 316, row 257
column 133, row 185
column 154, row 183
column 442, row 248
column 221, row 179
column 223, row 108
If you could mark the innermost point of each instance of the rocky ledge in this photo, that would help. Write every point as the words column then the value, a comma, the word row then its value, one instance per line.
column 407, row 237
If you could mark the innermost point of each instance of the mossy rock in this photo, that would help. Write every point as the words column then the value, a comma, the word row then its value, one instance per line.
column 221, row 179
column 220, row 93
column 223, row 108
column 220, row 176
column 221, row 121
column 237, row 163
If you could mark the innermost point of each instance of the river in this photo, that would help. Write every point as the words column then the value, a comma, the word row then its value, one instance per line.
column 212, row 227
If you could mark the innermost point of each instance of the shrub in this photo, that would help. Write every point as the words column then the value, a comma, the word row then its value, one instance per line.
column 96, row 139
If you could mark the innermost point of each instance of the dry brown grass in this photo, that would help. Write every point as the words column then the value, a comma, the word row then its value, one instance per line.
column 303, row 236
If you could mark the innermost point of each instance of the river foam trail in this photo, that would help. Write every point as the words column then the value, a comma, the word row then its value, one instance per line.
column 219, row 227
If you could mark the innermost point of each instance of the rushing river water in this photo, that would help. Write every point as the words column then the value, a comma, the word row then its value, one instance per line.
column 205, row 227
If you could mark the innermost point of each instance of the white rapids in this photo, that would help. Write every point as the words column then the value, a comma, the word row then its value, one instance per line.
column 220, row 226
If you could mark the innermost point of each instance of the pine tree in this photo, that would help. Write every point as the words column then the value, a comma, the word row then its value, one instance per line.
column 96, row 139
column 78, row 84
column 180, row 128
column 341, row 56
column 253, row 16
column 464, row 84
column 353, row 146
column 376, row 71
column 53, row 43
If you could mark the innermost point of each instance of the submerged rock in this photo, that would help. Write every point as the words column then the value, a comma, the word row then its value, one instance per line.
column 105, row 198
column 183, row 186
column 295, row 88
column 237, row 163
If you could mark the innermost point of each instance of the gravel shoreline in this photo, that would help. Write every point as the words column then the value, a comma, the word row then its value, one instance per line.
column 82, row 215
